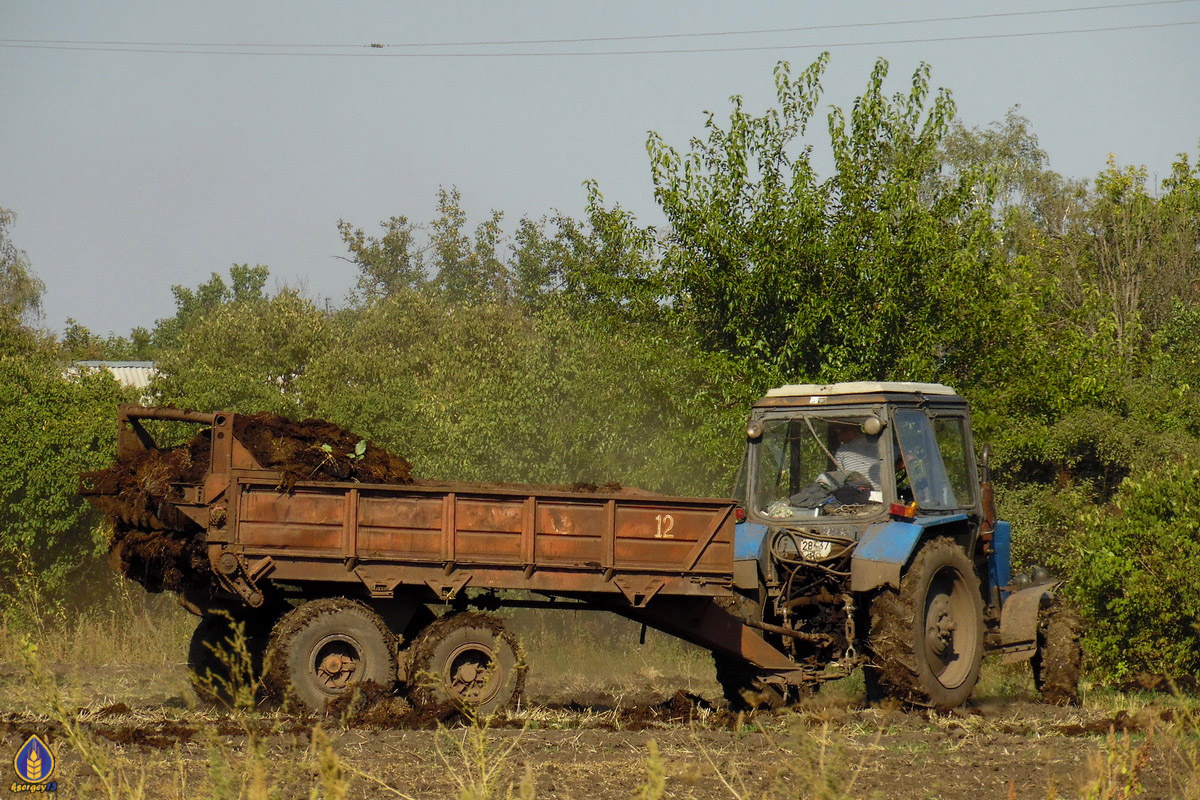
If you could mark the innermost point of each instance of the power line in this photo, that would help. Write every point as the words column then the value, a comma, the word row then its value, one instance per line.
column 592, row 39
column 578, row 53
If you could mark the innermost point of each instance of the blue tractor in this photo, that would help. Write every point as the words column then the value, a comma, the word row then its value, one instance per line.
column 868, row 538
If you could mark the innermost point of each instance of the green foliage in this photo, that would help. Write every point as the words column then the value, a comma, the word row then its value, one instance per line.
column 387, row 264
column 246, row 285
column 20, row 291
column 847, row 277
column 1134, row 576
column 51, row 429
column 244, row 354
column 80, row 344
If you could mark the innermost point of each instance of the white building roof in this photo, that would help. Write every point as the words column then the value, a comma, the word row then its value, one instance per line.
column 858, row 387
column 133, row 374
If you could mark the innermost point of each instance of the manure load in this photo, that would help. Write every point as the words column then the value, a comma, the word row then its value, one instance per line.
column 155, row 544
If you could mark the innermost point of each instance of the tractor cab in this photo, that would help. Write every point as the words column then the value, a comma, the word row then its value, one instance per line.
column 844, row 455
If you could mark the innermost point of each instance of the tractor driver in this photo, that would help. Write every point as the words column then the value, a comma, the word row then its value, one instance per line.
column 857, row 452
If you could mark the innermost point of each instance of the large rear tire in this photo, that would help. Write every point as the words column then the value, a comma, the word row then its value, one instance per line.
column 1058, row 662
column 323, row 648
column 468, row 661
column 926, row 640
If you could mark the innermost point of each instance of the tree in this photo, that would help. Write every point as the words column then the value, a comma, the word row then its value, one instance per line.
column 20, row 290
column 245, row 354
column 468, row 270
column 387, row 264
column 246, row 285
column 884, row 269
column 490, row 391
column 51, row 429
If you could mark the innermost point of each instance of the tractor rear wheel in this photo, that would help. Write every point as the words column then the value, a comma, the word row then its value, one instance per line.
column 1058, row 662
column 468, row 661
column 926, row 640
column 323, row 648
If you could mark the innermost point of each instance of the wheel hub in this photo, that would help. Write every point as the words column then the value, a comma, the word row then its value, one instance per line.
column 469, row 673
column 940, row 627
column 336, row 664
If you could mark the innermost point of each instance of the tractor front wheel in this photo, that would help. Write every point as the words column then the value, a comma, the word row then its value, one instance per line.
column 1058, row 662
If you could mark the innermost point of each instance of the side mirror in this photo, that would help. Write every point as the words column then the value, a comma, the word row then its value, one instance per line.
column 873, row 426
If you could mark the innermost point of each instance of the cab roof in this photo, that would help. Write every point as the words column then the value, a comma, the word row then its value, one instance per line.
column 857, row 392
column 858, row 387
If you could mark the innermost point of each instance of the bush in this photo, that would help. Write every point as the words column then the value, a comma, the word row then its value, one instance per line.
column 1134, row 577
column 51, row 429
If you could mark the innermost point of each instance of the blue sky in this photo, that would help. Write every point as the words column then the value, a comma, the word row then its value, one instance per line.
column 133, row 171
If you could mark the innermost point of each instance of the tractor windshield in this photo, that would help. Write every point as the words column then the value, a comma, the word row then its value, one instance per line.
column 813, row 466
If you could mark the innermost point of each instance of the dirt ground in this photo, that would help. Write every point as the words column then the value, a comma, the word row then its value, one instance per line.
column 650, row 736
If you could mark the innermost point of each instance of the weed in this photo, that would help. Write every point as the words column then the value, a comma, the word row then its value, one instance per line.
column 114, row 783
column 1117, row 768
column 656, row 774
column 476, row 766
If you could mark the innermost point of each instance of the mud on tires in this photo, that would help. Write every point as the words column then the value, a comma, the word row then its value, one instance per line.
column 926, row 640
column 321, row 649
column 1058, row 662
column 468, row 661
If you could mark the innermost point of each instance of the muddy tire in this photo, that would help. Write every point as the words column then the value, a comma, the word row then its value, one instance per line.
column 222, row 673
column 926, row 640
column 744, row 688
column 321, row 649
column 1058, row 662
column 467, row 661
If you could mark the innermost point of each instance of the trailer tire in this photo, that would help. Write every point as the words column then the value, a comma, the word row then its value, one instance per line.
column 744, row 687
column 222, row 672
column 1058, row 662
column 926, row 640
column 321, row 649
column 467, row 661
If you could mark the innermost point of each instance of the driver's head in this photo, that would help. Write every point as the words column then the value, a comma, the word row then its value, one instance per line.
column 845, row 432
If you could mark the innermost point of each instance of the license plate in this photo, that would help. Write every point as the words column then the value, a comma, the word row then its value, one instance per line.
column 815, row 549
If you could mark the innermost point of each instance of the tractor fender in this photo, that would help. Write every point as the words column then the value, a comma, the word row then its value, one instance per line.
column 1019, row 622
column 881, row 554
column 886, row 547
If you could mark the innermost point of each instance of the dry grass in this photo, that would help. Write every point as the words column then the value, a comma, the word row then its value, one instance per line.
column 829, row 747
column 131, row 628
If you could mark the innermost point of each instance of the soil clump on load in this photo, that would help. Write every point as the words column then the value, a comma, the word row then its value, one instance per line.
column 158, row 546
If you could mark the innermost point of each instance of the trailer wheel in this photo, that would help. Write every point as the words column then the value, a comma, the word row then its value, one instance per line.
column 743, row 686
column 1058, row 662
column 226, row 666
column 926, row 639
column 322, row 648
column 468, row 661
